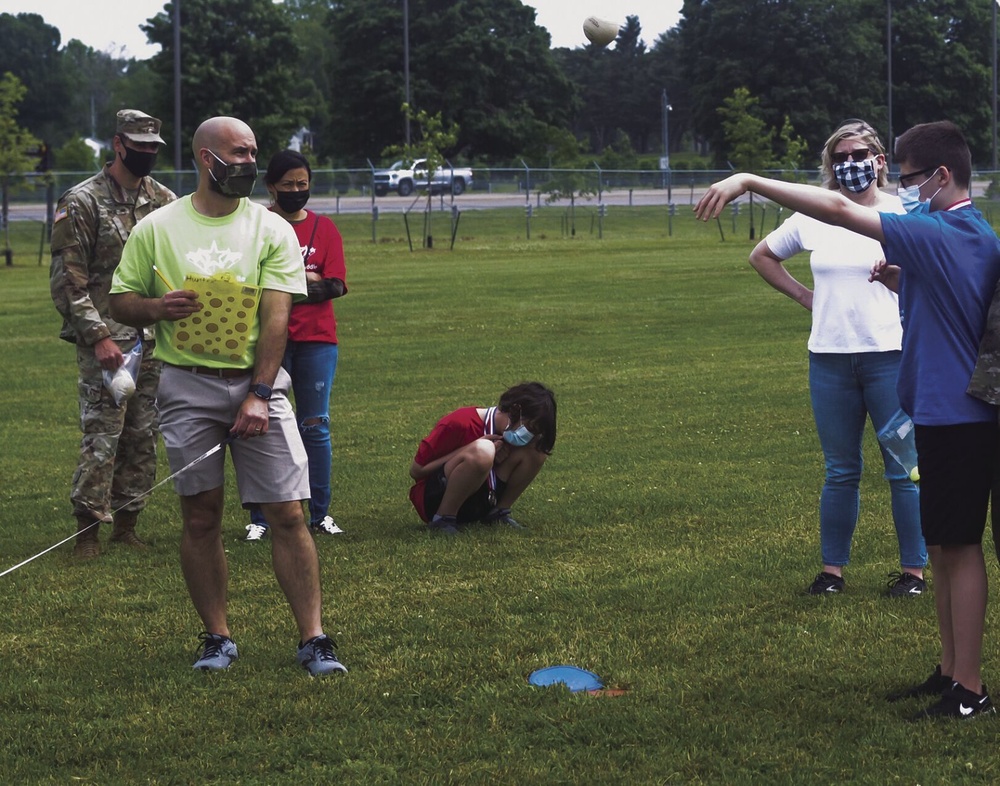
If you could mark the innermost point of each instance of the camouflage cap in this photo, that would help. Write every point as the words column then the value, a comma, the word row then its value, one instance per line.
column 138, row 126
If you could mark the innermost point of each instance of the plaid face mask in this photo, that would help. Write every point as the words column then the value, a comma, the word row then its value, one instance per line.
column 856, row 176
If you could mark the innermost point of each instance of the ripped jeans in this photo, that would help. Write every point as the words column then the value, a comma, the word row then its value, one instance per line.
column 845, row 390
column 312, row 366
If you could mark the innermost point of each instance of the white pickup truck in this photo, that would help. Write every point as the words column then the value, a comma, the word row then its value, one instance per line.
column 404, row 179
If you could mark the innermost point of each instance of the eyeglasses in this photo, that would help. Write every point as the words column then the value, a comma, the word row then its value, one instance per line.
column 919, row 172
column 860, row 154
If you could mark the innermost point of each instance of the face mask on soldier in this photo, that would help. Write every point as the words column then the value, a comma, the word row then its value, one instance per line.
column 138, row 162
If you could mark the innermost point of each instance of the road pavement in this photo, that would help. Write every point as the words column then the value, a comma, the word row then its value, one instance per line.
column 683, row 197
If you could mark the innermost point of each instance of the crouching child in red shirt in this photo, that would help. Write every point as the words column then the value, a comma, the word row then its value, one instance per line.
column 478, row 461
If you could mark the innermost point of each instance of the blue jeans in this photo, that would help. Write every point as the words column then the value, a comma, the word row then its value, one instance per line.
column 844, row 389
column 312, row 366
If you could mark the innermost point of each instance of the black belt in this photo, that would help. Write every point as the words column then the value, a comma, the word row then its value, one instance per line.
column 219, row 373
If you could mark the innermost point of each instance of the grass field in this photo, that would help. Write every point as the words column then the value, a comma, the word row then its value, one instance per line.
column 670, row 539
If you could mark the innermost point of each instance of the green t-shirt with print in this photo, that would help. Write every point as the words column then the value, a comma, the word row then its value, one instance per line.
column 228, row 260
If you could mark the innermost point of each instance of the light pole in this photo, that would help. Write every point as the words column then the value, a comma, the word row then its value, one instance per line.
column 891, row 141
column 665, row 161
column 177, row 96
column 994, row 90
column 406, row 65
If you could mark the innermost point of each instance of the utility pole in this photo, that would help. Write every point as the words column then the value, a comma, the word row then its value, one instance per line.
column 665, row 164
column 406, row 64
column 891, row 141
column 177, row 96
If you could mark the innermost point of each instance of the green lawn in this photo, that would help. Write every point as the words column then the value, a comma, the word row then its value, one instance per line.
column 671, row 536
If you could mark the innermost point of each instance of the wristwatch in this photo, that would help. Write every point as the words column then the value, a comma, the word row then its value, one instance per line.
column 260, row 390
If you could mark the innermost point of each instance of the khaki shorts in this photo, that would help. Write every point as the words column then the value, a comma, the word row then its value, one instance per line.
column 196, row 413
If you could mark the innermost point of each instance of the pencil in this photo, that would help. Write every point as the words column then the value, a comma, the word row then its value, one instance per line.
column 170, row 287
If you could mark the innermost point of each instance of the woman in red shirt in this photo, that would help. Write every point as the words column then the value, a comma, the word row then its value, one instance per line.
column 311, row 352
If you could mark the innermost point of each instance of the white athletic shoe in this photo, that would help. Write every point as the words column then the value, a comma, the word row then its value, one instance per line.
column 255, row 532
column 327, row 527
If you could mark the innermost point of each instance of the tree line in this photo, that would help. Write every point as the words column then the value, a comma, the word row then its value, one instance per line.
column 795, row 68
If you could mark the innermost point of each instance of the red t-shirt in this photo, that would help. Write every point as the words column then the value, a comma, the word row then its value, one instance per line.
column 325, row 255
column 453, row 431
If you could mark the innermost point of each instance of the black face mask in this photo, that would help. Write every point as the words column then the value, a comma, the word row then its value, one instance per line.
column 291, row 202
column 232, row 180
column 138, row 162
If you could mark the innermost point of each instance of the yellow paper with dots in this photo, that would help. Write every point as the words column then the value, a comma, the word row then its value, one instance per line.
column 221, row 330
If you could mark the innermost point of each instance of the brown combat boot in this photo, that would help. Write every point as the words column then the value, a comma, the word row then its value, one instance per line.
column 124, row 530
column 87, row 546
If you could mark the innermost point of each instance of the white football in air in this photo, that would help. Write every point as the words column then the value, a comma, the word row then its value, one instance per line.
column 600, row 31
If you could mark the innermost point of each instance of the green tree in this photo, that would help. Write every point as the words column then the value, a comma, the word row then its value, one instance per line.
column 616, row 91
column 15, row 145
column 799, row 57
column 484, row 65
column 432, row 139
column 747, row 137
column 805, row 62
column 239, row 59
column 792, row 148
column 667, row 74
column 633, row 98
column 941, row 68
column 312, row 86
column 620, row 90
column 94, row 79
column 133, row 91
column 75, row 156
column 29, row 49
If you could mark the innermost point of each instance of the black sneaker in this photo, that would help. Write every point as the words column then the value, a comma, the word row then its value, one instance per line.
column 905, row 585
column 826, row 584
column 958, row 702
column 934, row 685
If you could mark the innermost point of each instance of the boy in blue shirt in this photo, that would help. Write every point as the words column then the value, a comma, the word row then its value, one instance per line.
column 944, row 260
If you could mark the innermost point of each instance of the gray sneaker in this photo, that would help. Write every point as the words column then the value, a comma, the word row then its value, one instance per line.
column 318, row 658
column 217, row 653
column 502, row 516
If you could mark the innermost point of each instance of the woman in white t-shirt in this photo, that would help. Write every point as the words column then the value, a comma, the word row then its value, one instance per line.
column 854, row 353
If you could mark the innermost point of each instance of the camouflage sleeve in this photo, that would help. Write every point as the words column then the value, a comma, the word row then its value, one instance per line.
column 985, row 382
column 74, row 235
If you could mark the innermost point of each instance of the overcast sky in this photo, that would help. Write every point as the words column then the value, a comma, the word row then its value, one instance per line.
column 117, row 25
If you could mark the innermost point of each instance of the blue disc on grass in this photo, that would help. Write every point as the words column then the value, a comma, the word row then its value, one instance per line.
column 573, row 677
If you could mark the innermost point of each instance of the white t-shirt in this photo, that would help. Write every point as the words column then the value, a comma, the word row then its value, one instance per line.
column 849, row 314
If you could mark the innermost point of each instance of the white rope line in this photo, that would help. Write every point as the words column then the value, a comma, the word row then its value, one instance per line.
column 144, row 494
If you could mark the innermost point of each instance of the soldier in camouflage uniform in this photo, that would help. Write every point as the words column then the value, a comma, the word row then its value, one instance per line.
column 92, row 222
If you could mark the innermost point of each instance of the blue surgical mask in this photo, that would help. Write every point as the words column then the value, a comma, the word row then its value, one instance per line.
column 910, row 197
column 518, row 437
